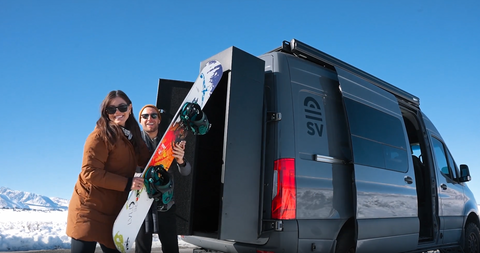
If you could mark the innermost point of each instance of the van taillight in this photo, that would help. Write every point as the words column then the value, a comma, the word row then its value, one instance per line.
column 284, row 201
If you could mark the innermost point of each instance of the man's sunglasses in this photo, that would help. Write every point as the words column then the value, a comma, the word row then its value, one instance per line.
column 153, row 115
column 113, row 109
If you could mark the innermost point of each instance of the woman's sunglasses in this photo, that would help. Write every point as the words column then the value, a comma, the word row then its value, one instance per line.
column 113, row 109
column 153, row 115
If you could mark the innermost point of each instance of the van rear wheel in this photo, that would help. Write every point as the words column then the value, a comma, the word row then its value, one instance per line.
column 471, row 242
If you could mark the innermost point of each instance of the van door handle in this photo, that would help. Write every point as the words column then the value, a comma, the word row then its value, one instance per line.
column 444, row 186
column 408, row 179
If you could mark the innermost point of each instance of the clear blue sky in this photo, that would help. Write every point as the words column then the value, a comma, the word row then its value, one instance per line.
column 59, row 59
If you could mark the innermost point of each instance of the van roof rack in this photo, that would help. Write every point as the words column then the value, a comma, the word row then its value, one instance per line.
column 309, row 53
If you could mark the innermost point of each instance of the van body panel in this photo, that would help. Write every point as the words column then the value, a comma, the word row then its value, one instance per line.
column 381, row 164
column 451, row 227
column 470, row 204
column 283, row 103
column 386, row 244
column 387, row 198
column 315, row 181
column 314, row 190
column 324, row 187
column 450, row 192
column 313, row 245
column 318, row 228
column 451, row 199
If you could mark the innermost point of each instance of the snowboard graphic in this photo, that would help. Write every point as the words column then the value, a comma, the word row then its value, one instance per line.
column 132, row 215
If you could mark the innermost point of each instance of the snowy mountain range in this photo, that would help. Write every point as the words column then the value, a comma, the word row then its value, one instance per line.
column 25, row 200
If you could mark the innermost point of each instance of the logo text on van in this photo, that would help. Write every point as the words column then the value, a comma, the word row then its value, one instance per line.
column 313, row 114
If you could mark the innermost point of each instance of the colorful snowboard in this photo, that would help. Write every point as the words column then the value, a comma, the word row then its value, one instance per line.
column 131, row 217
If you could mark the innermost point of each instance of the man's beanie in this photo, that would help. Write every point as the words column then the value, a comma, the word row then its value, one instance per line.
column 152, row 106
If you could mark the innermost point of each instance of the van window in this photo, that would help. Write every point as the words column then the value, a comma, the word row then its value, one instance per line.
column 441, row 158
column 453, row 165
column 378, row 138
column 415, row 147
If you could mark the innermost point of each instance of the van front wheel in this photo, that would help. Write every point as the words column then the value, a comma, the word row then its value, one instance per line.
column 472, row 239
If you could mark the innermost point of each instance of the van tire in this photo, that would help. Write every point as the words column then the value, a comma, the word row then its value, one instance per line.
column 471, row 243
column 346, row 241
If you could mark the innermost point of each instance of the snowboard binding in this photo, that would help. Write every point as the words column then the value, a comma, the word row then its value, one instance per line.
column 158, row 184
column 194, row 119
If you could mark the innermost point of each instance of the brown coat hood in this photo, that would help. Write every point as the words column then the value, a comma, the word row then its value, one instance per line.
column 99, row 193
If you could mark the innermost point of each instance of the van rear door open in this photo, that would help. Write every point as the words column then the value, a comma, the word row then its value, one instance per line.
column 241, row 173
column 223, row 201
column 386, row 200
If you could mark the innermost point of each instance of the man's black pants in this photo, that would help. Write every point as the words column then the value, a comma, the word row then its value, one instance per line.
column 167, row 233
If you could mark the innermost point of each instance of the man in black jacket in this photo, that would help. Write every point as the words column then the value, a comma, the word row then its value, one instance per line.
column 161, row 218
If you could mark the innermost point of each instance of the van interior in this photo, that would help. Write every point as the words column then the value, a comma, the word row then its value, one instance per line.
column 422, row 175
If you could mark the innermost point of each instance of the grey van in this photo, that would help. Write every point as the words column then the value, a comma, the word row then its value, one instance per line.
column 307, row 153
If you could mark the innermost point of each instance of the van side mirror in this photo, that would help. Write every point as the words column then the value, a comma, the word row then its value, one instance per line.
column 464, row 173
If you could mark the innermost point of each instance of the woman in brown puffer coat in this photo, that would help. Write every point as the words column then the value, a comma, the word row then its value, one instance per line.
column 111, row 154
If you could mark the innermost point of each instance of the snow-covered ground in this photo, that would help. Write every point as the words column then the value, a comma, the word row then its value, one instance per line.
column 39, row 230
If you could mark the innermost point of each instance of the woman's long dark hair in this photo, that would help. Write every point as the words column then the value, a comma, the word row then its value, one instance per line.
column 109, row 130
